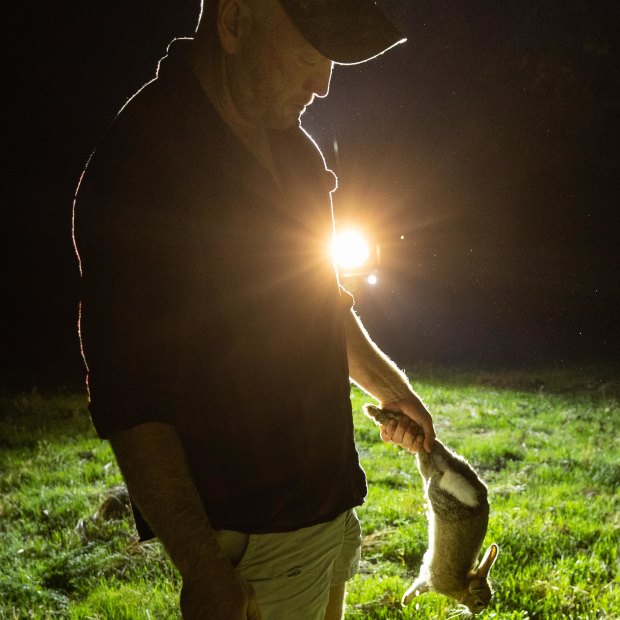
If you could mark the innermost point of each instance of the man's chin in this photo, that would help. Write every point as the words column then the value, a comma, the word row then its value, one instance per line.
column 286, row 122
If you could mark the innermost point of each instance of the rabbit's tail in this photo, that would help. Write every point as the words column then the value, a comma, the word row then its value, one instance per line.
column 460, row 488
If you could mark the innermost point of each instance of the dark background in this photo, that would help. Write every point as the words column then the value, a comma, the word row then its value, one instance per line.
column 488, row 141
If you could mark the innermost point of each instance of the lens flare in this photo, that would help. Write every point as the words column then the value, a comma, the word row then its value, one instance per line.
column 350, row 250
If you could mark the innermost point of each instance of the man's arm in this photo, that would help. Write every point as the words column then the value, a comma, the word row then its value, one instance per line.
column 377, row 375
column 155, row 469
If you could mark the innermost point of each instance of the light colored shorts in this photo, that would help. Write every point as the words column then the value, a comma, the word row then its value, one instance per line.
column 292, row 572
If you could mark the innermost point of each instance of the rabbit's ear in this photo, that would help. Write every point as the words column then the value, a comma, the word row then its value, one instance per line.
column 487, row 561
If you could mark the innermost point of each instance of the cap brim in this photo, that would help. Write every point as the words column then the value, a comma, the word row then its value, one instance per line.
column 345, row 31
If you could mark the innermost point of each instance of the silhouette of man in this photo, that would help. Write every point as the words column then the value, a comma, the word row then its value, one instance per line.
column 218, row 342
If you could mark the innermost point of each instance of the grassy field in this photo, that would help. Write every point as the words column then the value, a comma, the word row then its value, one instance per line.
column 546, row 442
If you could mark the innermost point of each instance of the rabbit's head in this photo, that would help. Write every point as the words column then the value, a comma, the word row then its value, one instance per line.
column 478, row 594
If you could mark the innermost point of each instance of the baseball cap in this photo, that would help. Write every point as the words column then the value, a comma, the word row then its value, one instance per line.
column 345, row 31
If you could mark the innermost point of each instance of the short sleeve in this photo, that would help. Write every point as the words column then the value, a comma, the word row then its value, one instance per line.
column 130, row 255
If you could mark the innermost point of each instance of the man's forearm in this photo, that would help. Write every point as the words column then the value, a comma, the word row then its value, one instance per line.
column 370, row 368
column 155, row 469
column 376, row 374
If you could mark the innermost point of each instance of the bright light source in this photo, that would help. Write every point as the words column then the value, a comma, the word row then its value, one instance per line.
column 372, row 279
column 350, row 249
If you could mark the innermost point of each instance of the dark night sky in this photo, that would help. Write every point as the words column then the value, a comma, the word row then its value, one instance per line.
column 487, row 141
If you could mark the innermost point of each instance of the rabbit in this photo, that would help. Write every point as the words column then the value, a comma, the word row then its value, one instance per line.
column 458, row 513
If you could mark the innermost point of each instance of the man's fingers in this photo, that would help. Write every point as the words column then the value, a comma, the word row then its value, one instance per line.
column 409, row 433
column 398, row 434
column 413, row 433
column 429, row 434
column 403, row 432
column 387, row 430
column 423, row 423
column 253, row 610
column 413, row 438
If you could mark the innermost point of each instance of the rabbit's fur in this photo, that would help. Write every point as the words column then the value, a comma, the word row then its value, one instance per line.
column 458, row 514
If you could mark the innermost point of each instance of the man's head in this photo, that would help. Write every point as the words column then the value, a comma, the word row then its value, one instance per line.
column 270, row 50
column 345, row 31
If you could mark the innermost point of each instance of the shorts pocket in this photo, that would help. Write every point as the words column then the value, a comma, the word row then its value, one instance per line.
column 234, row 545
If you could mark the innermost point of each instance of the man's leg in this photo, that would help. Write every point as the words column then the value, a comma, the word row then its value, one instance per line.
column 345, row 567
column 300, row 574
column 335, row 606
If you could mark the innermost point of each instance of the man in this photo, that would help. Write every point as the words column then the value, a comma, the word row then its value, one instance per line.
column 219, row 345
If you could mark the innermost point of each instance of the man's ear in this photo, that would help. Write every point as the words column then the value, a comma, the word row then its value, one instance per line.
column 233, row 20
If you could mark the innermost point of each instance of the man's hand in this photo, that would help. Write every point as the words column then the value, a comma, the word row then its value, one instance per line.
column 407, row 432
column 221, row 595
column 165, row 493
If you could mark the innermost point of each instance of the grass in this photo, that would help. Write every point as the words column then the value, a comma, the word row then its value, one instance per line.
column 545, row 442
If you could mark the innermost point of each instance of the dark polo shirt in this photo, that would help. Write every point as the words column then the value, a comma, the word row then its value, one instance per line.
column 209, row 302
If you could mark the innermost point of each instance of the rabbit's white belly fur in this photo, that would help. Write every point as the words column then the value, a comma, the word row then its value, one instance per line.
column 459, row 487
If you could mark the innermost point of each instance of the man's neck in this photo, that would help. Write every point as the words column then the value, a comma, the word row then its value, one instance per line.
column 211, row 72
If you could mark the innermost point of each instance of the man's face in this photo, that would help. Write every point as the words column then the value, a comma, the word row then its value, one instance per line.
column 275, row 73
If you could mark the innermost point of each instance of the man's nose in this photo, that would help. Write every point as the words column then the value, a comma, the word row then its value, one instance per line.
column 318, row 80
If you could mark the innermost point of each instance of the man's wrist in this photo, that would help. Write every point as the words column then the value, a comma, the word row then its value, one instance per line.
column 393, row 394
column 208, row 562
